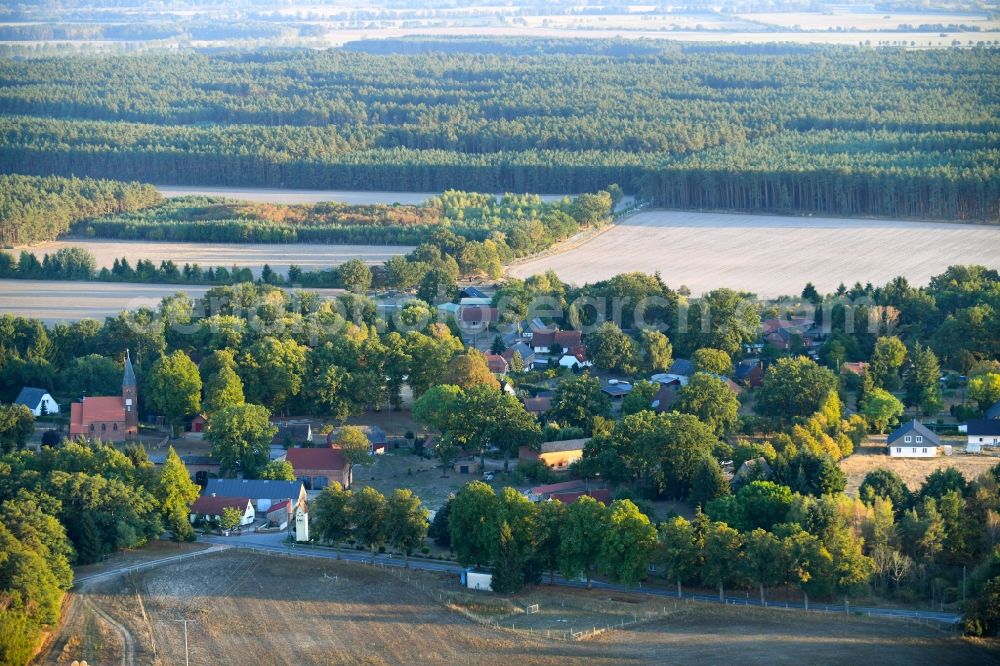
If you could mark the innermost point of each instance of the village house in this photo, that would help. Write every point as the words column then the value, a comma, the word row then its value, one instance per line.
column 318, row 468
column 279, row 514
column 526, row 352
column 567, row 341
column 568, row 492
column 575, row 359
column 262, row 492
column 784, row 334
column 749, row 372
column 37, row 400
column 555, row 455
column 980, row 433
column 210, row 507
column 108, row 418
column 377, row 438
column 616, row 390
column 855, row 368
column 538, row 405
column 496, row 363
column 292, row 432
column 913, row 440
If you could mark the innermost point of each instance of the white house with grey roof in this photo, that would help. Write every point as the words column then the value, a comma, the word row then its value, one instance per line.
column 913, row 440
column 37, row 400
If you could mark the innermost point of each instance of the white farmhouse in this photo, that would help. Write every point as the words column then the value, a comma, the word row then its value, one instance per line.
column 913, row 440
column 982, row 432
column 37, row 400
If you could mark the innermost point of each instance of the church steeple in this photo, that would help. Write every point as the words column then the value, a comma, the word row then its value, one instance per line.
column 129, row 398
column 129, row 378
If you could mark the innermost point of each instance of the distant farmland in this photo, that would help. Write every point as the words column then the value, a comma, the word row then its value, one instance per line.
column 771, row 255
column 253, row 256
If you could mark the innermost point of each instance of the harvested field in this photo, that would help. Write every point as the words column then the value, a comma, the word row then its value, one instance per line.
column 269, row 610
column 913, row 471
column 770, row 255
column 54, row 301
column 867, row 20
column 253, row 256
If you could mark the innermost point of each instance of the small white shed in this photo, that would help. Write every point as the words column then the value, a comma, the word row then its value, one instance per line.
column 477, row 579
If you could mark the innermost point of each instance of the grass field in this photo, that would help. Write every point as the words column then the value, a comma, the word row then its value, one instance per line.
column 913, row 471
column 770, row 255
column 266, row 610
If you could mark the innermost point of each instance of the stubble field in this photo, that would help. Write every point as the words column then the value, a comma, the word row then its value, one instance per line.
column 913, row 471
column 279, row 256
column 770, row 255
column 267, row 610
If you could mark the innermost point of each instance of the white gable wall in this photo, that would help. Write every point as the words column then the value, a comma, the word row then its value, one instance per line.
column 985, row 440
column 51, row 406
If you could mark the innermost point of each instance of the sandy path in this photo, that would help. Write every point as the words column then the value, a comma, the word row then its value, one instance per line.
column 771, row 255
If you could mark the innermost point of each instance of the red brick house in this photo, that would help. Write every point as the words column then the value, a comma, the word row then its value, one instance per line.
column 318, row 468
column 542, row 341
column 497, row 364
column 108, row 418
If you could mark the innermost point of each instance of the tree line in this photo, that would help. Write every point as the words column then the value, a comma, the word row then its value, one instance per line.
column 74, row 504
column 34, row 209
column 810, row 129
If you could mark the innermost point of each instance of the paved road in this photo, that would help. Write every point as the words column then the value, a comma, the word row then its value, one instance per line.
column 274, row 542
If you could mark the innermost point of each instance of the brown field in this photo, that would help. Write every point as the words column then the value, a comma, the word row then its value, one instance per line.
column 913, row 471
column 770, row 255
column 253, row 256
column 268, row 610
column 54, row 301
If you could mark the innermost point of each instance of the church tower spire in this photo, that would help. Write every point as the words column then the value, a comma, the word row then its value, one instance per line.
column 129, row 398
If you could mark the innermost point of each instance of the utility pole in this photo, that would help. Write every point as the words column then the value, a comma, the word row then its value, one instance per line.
column 186, row 660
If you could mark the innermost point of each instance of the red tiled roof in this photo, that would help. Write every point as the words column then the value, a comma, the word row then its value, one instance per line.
column 283, row 504
column 496, row 363
column 565, row 339
column 602, row 495
column 326, row 458
column 557, row 487
column 206, row 505
column 95, row 410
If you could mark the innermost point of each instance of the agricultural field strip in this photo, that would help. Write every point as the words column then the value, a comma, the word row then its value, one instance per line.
column 769, row 255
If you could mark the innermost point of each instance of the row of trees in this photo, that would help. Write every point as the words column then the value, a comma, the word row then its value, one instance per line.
column 74, row 504
column 34, row 209
column 368, row 519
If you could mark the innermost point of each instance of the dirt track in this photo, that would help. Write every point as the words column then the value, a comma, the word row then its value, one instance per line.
column 771, row 255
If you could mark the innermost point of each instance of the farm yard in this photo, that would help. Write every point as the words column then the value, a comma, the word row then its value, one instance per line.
column 298, row 611
column 913, row 471
column 769, row 255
